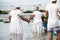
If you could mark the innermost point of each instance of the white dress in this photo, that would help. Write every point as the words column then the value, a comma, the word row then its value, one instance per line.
column 37, row 24
column 53, row 15
column 15, row 24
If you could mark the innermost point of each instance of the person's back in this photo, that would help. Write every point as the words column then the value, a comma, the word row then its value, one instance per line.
column 14, row 14
column 53, row 14
column 53, row 11
column 37, row 16
column 16, row 28
column 37, row 28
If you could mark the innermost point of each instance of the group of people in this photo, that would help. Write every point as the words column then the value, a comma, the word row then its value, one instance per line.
column 16, row 17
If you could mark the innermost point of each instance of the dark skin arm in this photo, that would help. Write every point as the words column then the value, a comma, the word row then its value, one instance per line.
column 47, row 16
column 59, row 13
column 42, row 18
column 9, row 18
column 31, row 17
column 25, row 19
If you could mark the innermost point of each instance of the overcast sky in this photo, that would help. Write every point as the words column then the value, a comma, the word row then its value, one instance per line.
column 25, row 4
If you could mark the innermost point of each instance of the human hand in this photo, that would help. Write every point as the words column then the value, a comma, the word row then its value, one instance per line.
column 9, row 21
column 28, row 21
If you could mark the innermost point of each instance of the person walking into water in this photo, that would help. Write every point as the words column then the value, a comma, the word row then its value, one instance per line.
column 52, row 10
column 37, row 22
column 16, row 29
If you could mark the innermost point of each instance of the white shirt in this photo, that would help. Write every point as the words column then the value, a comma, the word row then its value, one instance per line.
column 53, row 14
column 16, row 22
column 15, row 15
column 59, row 22
column 37, row 16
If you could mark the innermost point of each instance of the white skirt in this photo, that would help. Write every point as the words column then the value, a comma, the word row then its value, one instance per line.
column 16, row 31
column 14, row 36
column 16, row 27
column 38, row 27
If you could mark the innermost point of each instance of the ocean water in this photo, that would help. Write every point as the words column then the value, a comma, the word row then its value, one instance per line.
column 27, row 30
column 4, row 31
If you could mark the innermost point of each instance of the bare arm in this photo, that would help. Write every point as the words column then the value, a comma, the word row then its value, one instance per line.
column 59, row 13
column 25, row 19
column 9, row 18
column 47, row 16
column 31, row 17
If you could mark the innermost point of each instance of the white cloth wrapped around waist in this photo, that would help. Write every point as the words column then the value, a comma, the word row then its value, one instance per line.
column 16, row 26
column 52, row 23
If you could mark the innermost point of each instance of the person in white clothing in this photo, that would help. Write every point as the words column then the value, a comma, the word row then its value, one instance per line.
column 59, row 19
column 16, row 28
column 52, row 10
column 37, row 22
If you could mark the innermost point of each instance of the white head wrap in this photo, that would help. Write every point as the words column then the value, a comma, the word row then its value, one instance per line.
column 16, row 5
column 53, row 0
